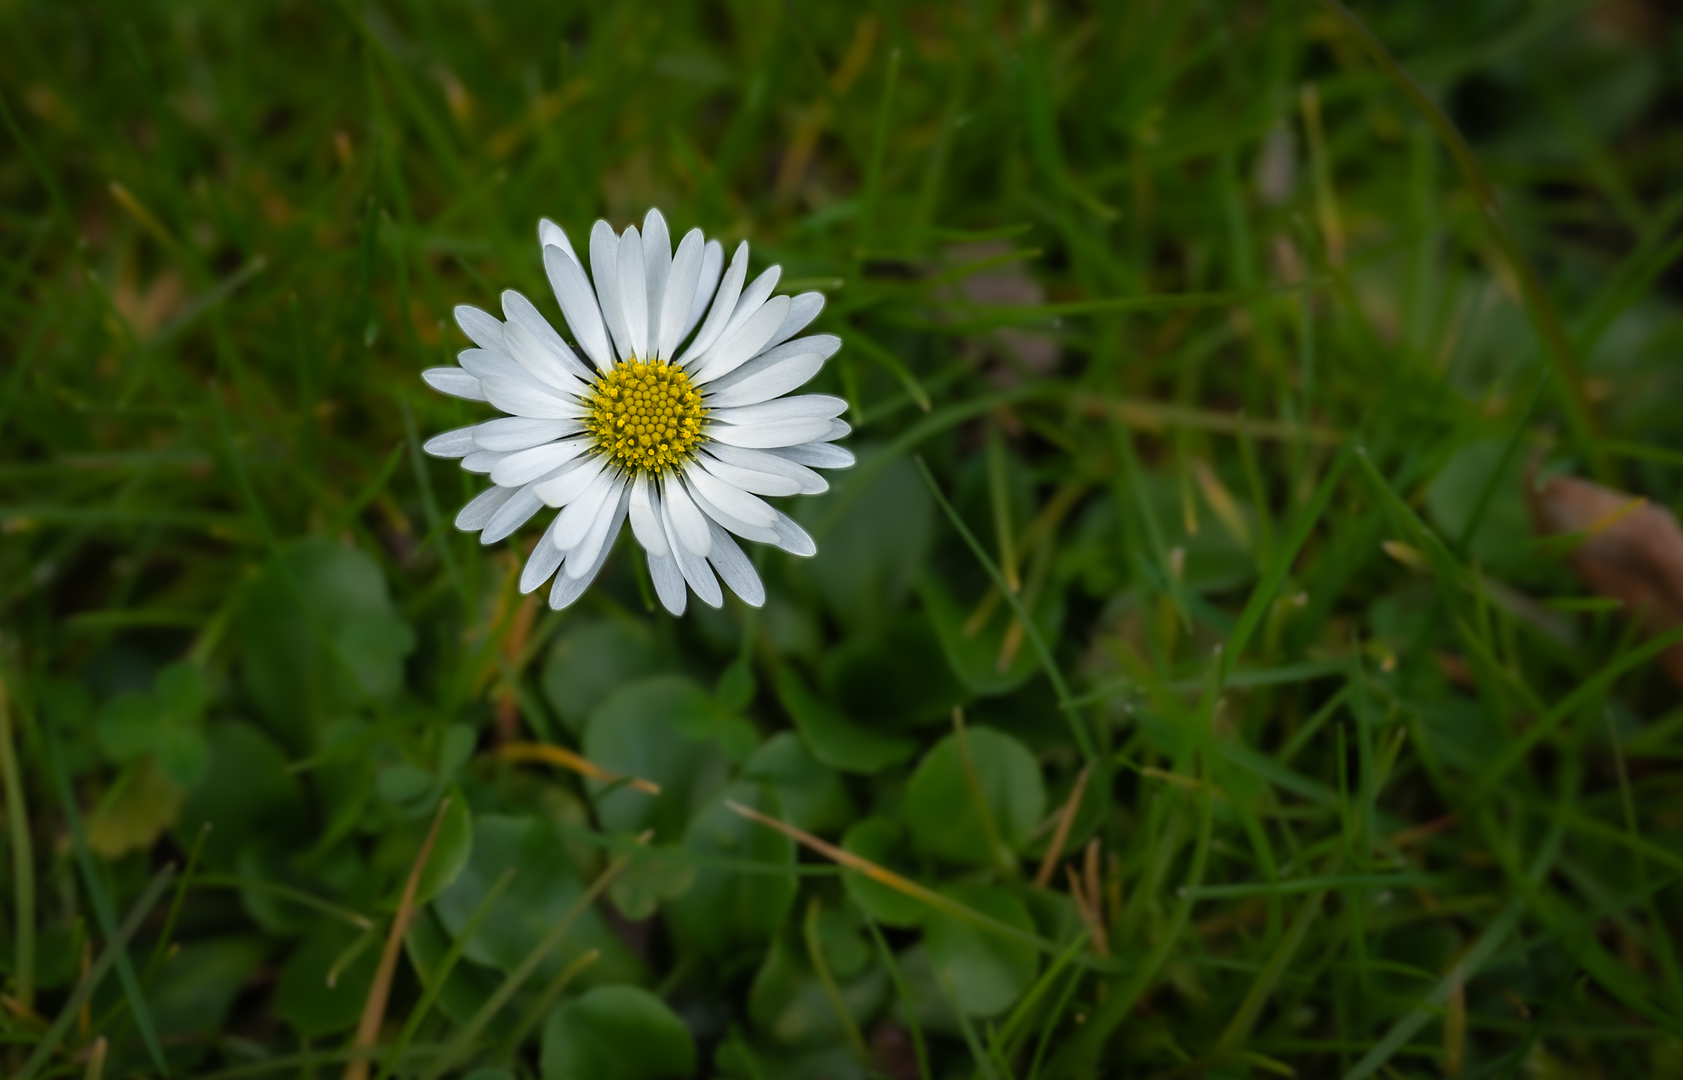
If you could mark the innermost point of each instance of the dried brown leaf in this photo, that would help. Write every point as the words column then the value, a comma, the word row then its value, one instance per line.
column 1631, row 551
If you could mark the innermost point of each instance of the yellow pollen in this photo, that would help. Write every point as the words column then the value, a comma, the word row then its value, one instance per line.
column 646, row 416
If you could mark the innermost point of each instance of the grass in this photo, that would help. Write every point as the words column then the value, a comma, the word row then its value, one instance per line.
column 1197, row 355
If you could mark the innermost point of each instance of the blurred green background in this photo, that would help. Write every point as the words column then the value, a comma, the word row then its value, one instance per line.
column 1284, row 750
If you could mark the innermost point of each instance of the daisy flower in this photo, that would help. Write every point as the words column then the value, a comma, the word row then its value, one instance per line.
column 679, row 428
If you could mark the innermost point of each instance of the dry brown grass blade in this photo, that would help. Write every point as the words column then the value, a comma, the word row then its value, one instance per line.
column 1089, row 914
column 374, row 1007
column 1095, row 898
column 1629, row 550
column 96, row 1060
column 1455, row 1029
column 1060, row 835
column 884, row 876
column 550, row 754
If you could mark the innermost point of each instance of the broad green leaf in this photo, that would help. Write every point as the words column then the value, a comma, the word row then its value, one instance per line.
column 975, row 656
column 616, row 1033
column 891, row 678
column 789, row 1004
column 451, row 849
column 941, row 806
column 736, row 686
column 812, row 796
column 181, row 692
column 182, row 754
column 832, row 737
column 140, row 804
column 306, row 999
column 454, row 748
column 318, row 636
column 468, row 984
column 544, row 887
column 882, row 842
column 128, row 724
column 725, row 909
column 875, row 528
column 646, row 881
column 591, row 659
column 664, row 730
column 196, row 989
column 166, row 721
column 402, row 782
column 982, row 971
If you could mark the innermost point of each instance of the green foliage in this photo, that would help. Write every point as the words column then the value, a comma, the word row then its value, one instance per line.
column 616, row 1033
column 974, row 792
column 1229, row 340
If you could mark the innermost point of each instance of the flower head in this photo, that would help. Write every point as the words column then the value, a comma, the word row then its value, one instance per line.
column 676, row 421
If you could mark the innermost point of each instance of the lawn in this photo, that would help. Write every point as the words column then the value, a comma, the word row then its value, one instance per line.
column 1184, row 684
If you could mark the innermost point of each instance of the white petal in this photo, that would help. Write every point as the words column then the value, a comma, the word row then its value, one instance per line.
column 668, row 582
column 485, row 329
column 792, row 538
column 569, row 588
column 724, row 302
column 584, row 556
column 580, row 514
column 513, row 514
column 765, row 534
column 745, row 342
column 680, row 288
column 824, row 345
column 604, row 267
column 544, row 350
column 578, row 304
column 728, row 497
column 760, row 483
column 692, row 565
column 765, row 382
column 838, row 430
column 452, row 444
column 455, row 382
column 766, row 436
column 734, row 568
column 519, row 432
column 634, row 292
column 482, row 461
column 802, row 310
column 521, row 398
column 479, row 509
column 482, row 362
column 542, row 563
column 817, row 455
column 524, row 466
column 753, row 297
column 688, row 523
column 645, row 517
column 712, row 265
column 812, row 406
column 552, row 235
column 777, row 462
column 657, row 266
column 570, row 485
column 539, row 362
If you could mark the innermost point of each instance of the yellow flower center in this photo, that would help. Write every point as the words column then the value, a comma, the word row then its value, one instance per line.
column 646, row 416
